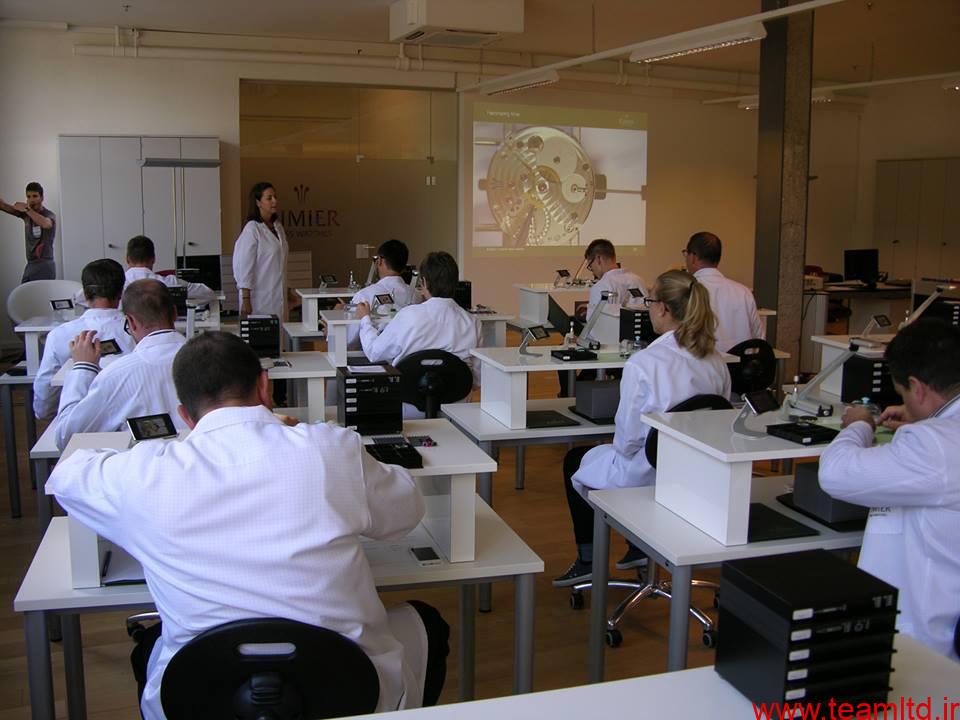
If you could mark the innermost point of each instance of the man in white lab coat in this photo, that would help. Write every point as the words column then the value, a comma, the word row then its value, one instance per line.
column 601, row 257
column 391, row 259
column 139, row 383
column 911, row 484
column 247, row 517
column 102, row 286
column 141, row 256
column 438, row 323
column 732, row 303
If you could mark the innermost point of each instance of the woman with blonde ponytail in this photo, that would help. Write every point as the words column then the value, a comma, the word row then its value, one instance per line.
column 679, row 364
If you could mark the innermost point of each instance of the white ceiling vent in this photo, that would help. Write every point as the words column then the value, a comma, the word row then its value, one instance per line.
column 454, row 23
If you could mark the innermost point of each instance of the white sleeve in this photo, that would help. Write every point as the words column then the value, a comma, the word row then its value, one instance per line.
column 80, row 403
column 383, row 347
column 910, row 470
column 630, row 431
column 245, row 257
column 753, row 315
column 45, row 396
column 393, row 499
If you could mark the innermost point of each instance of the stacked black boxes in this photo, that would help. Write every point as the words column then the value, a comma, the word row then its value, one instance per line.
column 262, row 333
column 635, row 323
column 868, row 378
column 805, row 628
column 370, row 403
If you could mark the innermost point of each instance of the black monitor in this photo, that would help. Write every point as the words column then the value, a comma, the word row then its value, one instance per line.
column 560, row 318
column 201, row 268
column 463, row 295
column 863, row 265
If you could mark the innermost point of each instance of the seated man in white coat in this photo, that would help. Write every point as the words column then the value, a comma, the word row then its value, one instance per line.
column 601, row 258
column 102, row 282
column 912, row 484
column 438, row 323
column 139, row 383
column 141, row 256
column 226, row 531
column 391, row 259
column 733, row 303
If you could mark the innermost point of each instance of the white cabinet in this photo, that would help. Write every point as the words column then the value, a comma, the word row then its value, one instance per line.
column 110, row 192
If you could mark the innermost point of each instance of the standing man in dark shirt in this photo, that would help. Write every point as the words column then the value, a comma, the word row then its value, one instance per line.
column 40, row 227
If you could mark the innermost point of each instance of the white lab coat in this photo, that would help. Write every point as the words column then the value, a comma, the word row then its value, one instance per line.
column 247, row 517
column 734, row 306
column 436, row 324
column 402, row 293
column 139, row 383
column 912, row 539
column 194, row 290
column 107, row 322
column 260, row 265
column 654, row 380
column 619, row 281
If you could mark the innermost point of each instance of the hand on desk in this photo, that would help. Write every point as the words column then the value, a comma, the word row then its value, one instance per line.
column 895, row 416
column 854, row 413
column 85, row 347
column 362, row 310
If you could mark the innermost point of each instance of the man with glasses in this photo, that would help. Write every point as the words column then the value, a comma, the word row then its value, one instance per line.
column 102, row 287
column 139, row 383
column 601, row 259
column 732, row 303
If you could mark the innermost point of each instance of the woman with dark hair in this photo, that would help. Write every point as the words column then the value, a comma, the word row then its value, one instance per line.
column 679, row 364
column 260, row 256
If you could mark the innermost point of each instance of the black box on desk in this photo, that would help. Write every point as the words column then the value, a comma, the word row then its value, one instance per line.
column 597, row 400
column 370, row 402
column 262, row 333
column 868, row 378
column 635, row 323
column 805, row 627
column 810, row 498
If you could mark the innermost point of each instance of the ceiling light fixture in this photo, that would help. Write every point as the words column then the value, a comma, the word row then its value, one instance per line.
column 548, row 77
column 749, row 103
column 698, row 41
column 951, row 83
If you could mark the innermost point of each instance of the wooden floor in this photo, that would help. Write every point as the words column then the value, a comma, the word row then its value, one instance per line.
column 538, row 514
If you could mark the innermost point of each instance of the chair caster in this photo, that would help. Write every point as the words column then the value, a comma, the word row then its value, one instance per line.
column 709, row 638
column 614, row 638
column 576, row 601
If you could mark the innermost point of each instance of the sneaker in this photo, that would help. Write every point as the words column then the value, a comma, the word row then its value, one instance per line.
column 634, row 558
column 579, row 571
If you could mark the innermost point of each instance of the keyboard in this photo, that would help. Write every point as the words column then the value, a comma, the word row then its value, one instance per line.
column 399, row 453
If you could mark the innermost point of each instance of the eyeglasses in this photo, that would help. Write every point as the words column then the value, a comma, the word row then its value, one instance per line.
column 126, row 325
column 591, row 261
column 684, row 252
column 649, row 301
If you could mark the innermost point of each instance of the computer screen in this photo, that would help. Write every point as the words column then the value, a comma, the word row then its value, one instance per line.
column 861, row 265
column 207, row 267
column 560, row 318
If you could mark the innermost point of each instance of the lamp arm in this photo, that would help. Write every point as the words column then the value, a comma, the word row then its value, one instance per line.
column 940, row 289
column 583, row 341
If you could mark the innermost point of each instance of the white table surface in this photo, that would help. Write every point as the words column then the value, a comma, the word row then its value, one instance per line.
column 842, row 342
column 509, row 359
column 483, row 427
column 328, row 293
column 300, row 330
column 687, row 695
column 551, row 288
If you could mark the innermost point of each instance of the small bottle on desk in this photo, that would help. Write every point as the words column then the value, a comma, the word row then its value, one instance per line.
column 570, row 339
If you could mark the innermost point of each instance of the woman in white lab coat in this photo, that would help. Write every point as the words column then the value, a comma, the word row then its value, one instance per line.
column 681, row 363
column 260, row 256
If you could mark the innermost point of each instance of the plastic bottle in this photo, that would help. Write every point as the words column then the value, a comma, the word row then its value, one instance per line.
column 869, row 406
column 570, row 339
column 353, row 283
column 795, row 393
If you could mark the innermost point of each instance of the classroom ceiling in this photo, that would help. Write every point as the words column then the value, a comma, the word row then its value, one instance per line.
column 856, row 40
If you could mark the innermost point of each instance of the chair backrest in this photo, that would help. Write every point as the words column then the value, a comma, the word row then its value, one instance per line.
column 32, row 299
column 269, row 668
column 697, row 402
column 433, row 377
column 757, row 367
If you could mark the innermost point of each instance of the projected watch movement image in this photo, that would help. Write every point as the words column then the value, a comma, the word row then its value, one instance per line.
column 548, row 178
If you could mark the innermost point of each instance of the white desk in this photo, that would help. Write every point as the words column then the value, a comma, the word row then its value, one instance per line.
column 7, row 385
column 297, row 332
column 704, row 470
column 672, row 542
column 920, row 673
column 501, row 555
column 535, row 301
column 833, row 346
column 310, row 301
column 34, row 329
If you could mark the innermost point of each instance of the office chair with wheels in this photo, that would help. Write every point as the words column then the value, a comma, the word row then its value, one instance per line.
column 32, row 299
column 757, row 367
column 269, row 669
column 653, row 586
column 433, row 377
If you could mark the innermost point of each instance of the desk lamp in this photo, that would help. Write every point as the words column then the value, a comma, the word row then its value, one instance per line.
column 576, row 276
column 563, row 278
column 938, row 291
column 535, row 332
column 876, row 322
column 583, row 341
column 800, row 404
column 373, row 271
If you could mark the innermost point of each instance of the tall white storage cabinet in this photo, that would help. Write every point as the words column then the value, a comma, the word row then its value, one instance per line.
column 112, row 188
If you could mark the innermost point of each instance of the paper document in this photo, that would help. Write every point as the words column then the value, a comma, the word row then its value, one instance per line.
column 368, row 370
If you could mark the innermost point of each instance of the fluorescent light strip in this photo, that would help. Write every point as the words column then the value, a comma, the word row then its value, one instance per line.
column 700, row 41
column 547, row 78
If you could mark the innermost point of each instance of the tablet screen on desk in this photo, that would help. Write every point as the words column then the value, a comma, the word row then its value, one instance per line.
column 65, row 304
column 384, row 299
column 151, row 427
column 329, row 279
column 109, row 347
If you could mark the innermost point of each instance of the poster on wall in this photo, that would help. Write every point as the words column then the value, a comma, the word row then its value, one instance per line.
column 549, row 179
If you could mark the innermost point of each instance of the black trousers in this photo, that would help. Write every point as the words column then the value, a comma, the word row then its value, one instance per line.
column 580, row 511
column 438, row 648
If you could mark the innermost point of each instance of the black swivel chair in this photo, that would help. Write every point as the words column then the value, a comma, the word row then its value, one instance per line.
column 269, row 669
column 757, row 367
column 653, row 587
column 433, row 377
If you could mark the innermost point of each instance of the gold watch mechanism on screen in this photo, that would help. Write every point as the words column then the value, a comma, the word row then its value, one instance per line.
column 541, row 186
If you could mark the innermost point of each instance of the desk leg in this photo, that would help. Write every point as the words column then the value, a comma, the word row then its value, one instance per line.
column 44, row 501
column 598, row 597
column 468, row 632
column 679, row 623
column 73, row 667
column 485, row 490
column 523, row 619
column 10, row 443
column 571, row 383
column 521, row 457
column 31, row 426
column 39, row 670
